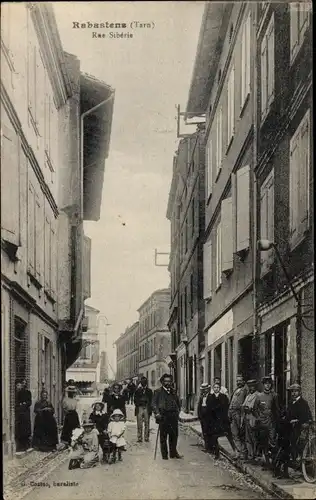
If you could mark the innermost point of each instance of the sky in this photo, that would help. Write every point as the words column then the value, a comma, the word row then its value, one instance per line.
column 151, row 74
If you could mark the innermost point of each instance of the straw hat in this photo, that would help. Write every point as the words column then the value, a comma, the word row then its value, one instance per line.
column 117, row 412
column 87, row 423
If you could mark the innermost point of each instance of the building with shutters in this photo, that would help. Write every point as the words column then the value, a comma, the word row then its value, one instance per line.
column 48, row 188
column 285, row 195
column 154, row 337
column 84, row 371
column 104, row 369
column 223, row 89
column 186, row 207
column 127, row 353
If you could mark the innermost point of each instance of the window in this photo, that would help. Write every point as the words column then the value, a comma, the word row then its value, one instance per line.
column 230, row 105
column 245, row 60
column 219, row 141
column 185, row 305
column 218, row 269
column 267, row 220
column 31, row 242
column 267, row 69
column 207, row 270
column 227, row 235
column 242, row 204
column 300, row 20
column 10, row 185
column 209, row 166
column 50, row 248
column 192, row 295
column 299, row 181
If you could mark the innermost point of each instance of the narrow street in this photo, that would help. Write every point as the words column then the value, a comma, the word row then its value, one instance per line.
column 140, row 477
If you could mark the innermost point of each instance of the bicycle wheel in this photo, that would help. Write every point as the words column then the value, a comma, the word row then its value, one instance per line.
column 309, row 461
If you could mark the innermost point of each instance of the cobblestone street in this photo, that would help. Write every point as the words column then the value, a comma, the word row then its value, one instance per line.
column 140, row 477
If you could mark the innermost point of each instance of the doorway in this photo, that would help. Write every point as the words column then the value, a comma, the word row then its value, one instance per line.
column 20, row 349
column 245, row 357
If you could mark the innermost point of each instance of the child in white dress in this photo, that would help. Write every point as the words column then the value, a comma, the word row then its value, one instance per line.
column 116, row 430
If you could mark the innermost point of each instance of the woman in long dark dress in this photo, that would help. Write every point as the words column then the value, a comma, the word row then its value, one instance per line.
column 23, row 402
column 217, row 418
column 45, row 436
column 71, row 420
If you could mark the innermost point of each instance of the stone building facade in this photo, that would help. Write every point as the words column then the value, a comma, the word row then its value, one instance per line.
column 127, row 353
column 45, row 196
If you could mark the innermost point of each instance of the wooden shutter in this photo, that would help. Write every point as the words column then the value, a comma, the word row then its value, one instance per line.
column 86, row 267
column 53, row 258
column 271, row 55
column 218, row 255
column 209, row 167
column 10, row 186
column 243, row 65
column 304, row 174
column 207, row 270
column 264, row 75
column 243, row 207
column 227, row 234
column 231, row 104
column 39, row 229
column 47, row 234
column 40, row 93
column 31, row 229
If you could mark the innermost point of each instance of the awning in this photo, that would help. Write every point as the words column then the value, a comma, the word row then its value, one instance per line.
column 80, row 376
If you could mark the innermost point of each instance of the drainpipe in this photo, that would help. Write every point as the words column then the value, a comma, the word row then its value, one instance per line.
column 256, row 199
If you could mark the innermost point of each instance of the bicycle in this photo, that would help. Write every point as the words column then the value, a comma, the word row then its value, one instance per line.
column 304, row 460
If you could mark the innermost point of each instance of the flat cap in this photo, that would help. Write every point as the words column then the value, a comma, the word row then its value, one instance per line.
column 295, row 387
column 251, row 382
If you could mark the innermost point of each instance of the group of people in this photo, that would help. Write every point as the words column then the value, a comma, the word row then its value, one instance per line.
column 251, row 419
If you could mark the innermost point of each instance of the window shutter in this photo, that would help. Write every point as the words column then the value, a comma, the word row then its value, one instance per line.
column 10, row 180
column 294, row 189
column 218, row 255
column 86, row 267
column 271, row 51
column 39, row 225
column 40, row 94
column 243, row 206
column 264, row 75
column 53, row 259
column 47, row 254
column 47, row 121
column 227, row 234
column 231, row 104
column 304, row 175
column 294, row 26
column 209, row 167
column 31, row 229
column 243, row 65
column 207, row 264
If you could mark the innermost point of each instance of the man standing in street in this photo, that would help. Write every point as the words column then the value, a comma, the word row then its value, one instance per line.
column 250, row 420
column 142, row 400
column 166, row 407
column 267, row 412
column 223, row 389
column 202, row 413
column 235, row 415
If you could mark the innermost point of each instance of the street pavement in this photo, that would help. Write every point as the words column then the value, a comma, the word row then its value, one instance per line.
column 141, row 477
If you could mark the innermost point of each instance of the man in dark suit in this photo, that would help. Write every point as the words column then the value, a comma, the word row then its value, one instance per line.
column 142, row 400
column 166, row 407
column 116, row 400
column 202, row 413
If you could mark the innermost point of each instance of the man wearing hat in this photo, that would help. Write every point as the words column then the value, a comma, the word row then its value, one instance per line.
column 117, row 400
column 202, row 413
column 166, row 407
column 142, row 400
column 267, row 412
column 235, row 415
column 249, row 419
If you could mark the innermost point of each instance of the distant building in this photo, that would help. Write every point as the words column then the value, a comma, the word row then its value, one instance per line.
column 84, row 371
column 104, row 369
column 186, row 208
column 127, row 353
column 154, row 336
